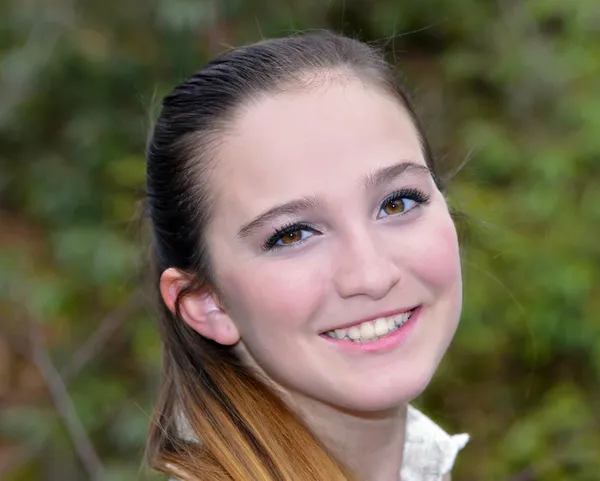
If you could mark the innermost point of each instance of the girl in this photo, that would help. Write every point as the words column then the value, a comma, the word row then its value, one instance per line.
column 308, row 270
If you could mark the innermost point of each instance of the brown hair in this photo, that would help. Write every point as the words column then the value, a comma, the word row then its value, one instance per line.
column 237, row 427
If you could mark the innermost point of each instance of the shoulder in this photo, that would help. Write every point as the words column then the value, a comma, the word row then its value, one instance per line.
column 430, row 452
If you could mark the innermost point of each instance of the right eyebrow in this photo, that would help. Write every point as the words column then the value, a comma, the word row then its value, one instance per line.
column 289, row 208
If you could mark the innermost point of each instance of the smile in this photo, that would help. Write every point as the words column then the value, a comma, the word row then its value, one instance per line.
column 370, row 331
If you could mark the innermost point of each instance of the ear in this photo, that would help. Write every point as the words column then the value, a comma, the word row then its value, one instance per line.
column 200, row 310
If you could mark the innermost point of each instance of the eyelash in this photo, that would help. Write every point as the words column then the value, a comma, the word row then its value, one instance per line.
column 410, row 193
column 290, row 228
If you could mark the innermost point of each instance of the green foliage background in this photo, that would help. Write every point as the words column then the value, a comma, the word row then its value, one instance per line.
column 512, row 87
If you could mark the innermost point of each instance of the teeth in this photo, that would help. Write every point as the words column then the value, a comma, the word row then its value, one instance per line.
column 367, row 330
column 341, row 333
column 371, row 330
column 354, row 333
column 381, row 327
column 401, row 318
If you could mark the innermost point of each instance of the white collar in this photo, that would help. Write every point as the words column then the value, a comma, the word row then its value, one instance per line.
column 429, row 452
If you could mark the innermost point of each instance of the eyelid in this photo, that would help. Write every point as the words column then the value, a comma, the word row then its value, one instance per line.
column 409, row 193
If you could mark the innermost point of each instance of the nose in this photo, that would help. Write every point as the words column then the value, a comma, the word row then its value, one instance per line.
column 365, row 267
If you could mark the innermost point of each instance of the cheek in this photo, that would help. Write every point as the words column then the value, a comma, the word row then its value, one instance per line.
column 273, row 293
column 438, row 253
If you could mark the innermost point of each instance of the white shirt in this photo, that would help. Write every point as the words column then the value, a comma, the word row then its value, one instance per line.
column 429, row 452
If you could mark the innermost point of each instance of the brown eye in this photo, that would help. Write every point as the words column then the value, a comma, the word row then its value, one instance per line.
column 394, row 207
column 399, row 205
column 291, row 237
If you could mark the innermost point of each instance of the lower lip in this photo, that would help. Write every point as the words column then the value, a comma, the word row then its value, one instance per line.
column 384, row 343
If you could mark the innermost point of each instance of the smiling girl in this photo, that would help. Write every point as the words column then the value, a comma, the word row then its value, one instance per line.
column 308, row 270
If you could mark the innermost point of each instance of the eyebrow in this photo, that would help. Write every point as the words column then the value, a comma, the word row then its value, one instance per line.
column 376, row 178
column 289, row 208
column 388, row 174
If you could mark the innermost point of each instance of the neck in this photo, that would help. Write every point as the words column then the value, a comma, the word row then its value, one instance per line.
column 370, row 444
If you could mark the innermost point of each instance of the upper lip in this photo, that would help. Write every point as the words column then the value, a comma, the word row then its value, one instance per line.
column 371, row 318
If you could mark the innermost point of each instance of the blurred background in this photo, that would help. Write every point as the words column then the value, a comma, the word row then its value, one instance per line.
column 510, row 94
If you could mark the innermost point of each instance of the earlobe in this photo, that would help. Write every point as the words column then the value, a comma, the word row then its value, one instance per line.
column 200, row 310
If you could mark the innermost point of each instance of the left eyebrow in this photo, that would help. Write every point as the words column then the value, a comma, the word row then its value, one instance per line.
column 388, row 174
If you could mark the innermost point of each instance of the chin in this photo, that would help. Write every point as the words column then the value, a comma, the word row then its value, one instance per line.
column 386, row 394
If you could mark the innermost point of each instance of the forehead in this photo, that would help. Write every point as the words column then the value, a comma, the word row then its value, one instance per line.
column 303, row 143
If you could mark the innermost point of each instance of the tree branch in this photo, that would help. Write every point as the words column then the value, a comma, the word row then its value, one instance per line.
column 106, row 328
column 64, row 405
column 35, row 352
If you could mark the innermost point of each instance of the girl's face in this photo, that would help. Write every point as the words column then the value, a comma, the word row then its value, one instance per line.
column 327, row 216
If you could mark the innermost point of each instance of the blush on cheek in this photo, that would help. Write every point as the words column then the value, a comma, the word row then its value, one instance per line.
column 273, row 294
column 438, row 253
